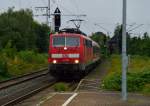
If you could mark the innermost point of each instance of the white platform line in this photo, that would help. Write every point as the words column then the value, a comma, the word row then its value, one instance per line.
column 70, row 99
column 66, row 93
column 78, row 85
column 49, row 97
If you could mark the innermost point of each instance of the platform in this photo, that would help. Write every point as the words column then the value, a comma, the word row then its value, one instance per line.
column 94, row 99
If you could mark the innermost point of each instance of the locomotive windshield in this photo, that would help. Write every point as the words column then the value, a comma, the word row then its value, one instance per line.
column 60, row 41
column 72, row 41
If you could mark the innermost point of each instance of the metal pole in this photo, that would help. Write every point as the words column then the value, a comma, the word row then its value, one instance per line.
column 124, row 55
column 47, row 22
column 48, row 15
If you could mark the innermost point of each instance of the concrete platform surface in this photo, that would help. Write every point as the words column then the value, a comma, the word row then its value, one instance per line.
column 95, row 99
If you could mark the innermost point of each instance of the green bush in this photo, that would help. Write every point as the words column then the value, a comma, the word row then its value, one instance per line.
column 146, row 89
column 3, row 68
column 135, row 81
column 27, row 56
column 41, row 58
column 112, row 82
column 20, row 63
column 138, row 75
column 8, row 51
column 32, row 57
column 60, row 87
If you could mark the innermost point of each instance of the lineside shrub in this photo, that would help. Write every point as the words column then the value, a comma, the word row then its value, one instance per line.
column 20, row 63
column 138, row 75
column 60, row 87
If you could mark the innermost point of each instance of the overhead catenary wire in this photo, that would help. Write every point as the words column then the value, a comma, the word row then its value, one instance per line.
column 74, row 3
column 20, row 4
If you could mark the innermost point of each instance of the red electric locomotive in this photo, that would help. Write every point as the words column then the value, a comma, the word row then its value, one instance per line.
column 71, row 53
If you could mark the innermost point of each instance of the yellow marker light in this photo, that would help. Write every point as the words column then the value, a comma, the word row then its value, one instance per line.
column 76, row 61
column 54, row 61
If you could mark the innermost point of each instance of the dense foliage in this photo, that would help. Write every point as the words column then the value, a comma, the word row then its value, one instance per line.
column 21, row 41
column 13, row 63
column 101, row 39
column 59, row 87
column 136, row 45
column 139, row 45
column 24, row 33
column 138, row 75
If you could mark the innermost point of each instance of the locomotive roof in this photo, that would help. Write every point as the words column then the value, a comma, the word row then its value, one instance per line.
column 72, row 30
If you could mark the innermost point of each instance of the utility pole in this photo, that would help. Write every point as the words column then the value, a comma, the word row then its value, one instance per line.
column 124, row 54
column 47, row 14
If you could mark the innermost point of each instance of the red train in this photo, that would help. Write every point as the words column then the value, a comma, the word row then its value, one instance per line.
column 72, row 53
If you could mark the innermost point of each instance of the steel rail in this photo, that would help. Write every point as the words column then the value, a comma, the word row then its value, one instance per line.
column 21, row 79
column 25, row 96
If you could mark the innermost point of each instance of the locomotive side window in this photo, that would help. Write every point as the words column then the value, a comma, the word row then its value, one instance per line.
column 88, row 43
column 59, row 41
column 72, row 41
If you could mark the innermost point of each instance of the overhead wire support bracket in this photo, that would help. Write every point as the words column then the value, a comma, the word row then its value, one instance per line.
column 47, row 8
column 77, row 22
column 40, row 7
column 74, row 15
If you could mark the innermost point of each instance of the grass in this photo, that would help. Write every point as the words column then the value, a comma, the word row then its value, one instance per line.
column 138, row 75
column 3, row 78
column 61, row 87
column 13, row 63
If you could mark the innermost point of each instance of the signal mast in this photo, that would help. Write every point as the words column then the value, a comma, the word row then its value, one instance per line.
column 57, row 19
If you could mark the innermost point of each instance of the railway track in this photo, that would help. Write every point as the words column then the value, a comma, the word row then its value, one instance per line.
column 17, row 80
column 17, row 89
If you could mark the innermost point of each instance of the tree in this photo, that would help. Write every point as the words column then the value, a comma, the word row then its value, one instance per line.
column 101, row 39
column 42, row 40
column 135, row 45
column 23, row 31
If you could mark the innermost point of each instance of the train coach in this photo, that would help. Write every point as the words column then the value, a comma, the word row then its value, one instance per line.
column 72, row 54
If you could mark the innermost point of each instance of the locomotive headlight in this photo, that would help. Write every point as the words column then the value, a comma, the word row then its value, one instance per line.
column 76, row 61
column 54, row 61
column 65, row 48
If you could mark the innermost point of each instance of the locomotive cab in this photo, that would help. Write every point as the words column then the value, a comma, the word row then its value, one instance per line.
column 64, row 49
column 65, row 54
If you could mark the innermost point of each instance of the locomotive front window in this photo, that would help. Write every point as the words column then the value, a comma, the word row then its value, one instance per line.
column 59, row 41
column 72, row 41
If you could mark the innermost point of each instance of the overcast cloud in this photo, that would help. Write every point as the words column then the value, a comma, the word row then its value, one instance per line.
column 105, row 12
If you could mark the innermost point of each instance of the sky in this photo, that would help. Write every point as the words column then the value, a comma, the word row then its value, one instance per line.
column 101, row 15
